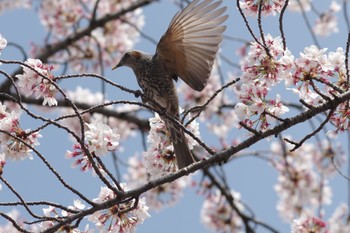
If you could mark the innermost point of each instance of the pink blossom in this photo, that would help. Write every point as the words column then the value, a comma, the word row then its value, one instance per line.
column 53, row 212
column 327, row 22
column 12, row 147
column 313, row 64
column 260, row 73
column 300, row 187
column 107, row 43
column 160, row 158
column 3, row 43
column 120, row 217
column 31, row 83
column 82, row 160
column 294, row 5
column 11, row 4
column 339, row 221
column 8, row 227
column 341, row 118
column 219, row 216
column 269, row 7
column 101, row 138
column 307, row 224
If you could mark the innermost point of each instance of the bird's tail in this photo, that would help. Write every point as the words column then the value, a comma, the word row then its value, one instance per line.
column 182, row 151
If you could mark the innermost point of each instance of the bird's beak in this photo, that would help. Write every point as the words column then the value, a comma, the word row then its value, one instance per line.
column 120, row 63
column 117, row 65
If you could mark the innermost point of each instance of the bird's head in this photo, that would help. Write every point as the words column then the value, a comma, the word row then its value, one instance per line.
column 129, row 59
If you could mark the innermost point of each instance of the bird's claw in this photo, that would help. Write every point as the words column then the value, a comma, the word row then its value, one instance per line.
column 162, row 111
column 138, row 93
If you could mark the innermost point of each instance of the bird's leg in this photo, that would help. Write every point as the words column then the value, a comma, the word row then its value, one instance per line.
column 138, row 94
column 162, row 111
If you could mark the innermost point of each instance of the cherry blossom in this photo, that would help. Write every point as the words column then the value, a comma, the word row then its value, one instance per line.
column 125, row 129
column 11, row 4
column 260, row 73
column 81, row 159
column 269, row 7
column 315, row 66
column 53, row 212
column 158, row 198
column 104, row 45
column 160, row 158
column 219, row 216
column 122, row 217
column 339, row 221
column 12, row 147
column 341, row 118
column 2, row 163
column 32, row 83
column 77, row 206
column 328, row 158
column 3, row 43
column 307, row 224
column 60, row 16
column 15, row 215
column 101, row 138
column 300, row 186
column 294, row 5
column 312, row 65
column 327, row 22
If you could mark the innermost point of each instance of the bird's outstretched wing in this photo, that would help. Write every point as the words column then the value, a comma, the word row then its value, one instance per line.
column 189, row 46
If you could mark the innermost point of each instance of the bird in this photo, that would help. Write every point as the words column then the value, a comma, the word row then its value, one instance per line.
column 187, row 50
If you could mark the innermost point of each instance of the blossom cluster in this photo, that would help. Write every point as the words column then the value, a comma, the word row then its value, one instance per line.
column 300, row 5
column 318, row 77
column 105, row 44
column 122, row 217
column 15, row 143
column 160, row 158
column 251, row 7
column 337, row 223
column 302, row 184
column 53, row 212
column 3, row 43
column 327, row 22
column 314, row 76
column 11, row 4
column 261, row 71
column 219, row 216
column 100, row 139
column 308, row 224
column 37, row 80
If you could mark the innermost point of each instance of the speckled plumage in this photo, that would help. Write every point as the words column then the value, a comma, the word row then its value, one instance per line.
column 187, row 50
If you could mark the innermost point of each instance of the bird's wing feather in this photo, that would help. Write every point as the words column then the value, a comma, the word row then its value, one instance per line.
column 189, row 46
